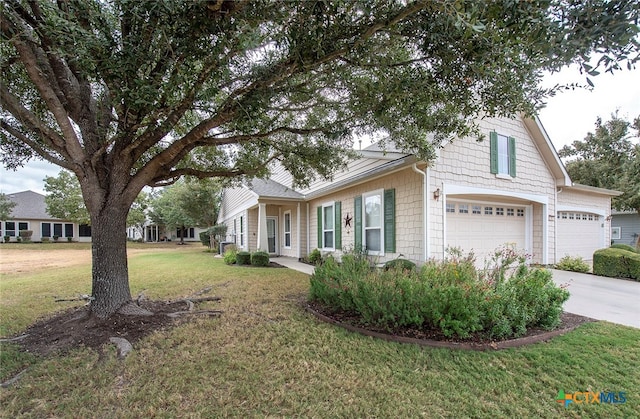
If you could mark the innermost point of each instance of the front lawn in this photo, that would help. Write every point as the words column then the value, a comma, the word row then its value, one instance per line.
column 265, row 356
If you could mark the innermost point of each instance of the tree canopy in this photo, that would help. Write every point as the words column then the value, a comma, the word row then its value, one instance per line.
column 6, row 206
column 609, row 158
column 64, row 200
column 128, row 93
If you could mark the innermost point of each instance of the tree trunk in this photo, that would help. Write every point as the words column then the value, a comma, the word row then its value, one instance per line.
column 110, row 285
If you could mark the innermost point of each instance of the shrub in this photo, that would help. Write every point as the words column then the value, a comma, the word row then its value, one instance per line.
column 315, row 257
column 45, row 240
column 7, row 239
column 243, row 258
column 449, row 295
column 260, row 258
column 26, row 235
column 617, row 263
column 573, row 264
column 205, row 238
column 625, row 247
column 400, row 264
column 230, row 253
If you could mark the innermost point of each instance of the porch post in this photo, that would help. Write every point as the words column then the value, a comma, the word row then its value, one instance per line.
column 298, row 231
column 263, row 243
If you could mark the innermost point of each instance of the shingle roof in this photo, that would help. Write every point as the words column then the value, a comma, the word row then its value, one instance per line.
column 272, row 189
column 29, row 205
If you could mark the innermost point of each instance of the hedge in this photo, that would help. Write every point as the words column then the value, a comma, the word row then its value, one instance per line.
column 625, row 247
column 260, row 258
column 617, row 263
column 243, row 258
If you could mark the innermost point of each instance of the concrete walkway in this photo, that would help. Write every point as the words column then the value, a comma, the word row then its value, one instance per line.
column 292, row 263
column 602, row 298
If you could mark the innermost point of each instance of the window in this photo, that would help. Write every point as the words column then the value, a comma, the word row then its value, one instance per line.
column 68, row 230
column 57, row 229
column 503, row 154
column 10, row 228
column 499, row 211
column 189, row 232
column 374, row 219
column 510, row 212
column 451, row 207
column 287, row 229
column 84, row 230
column 23, row 226
column 463, row 209
column 571, row 216
column 590, row 217
column 520, row 212
column 327, row 226
column 616, row 233
column 476, row 209
column 584, row 216
column 488, row 210
column 241, row 231
column 373, row 222
column 45, row 230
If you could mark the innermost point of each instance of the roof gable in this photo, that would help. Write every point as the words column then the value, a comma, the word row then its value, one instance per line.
column 29, row 205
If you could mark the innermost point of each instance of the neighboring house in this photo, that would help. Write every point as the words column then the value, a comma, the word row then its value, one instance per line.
column 625, row 227
column 30, row 213
column 478, row 196
column 156, row 233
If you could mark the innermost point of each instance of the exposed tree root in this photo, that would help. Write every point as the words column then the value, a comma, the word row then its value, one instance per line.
column 210, row 313
column 122, row 345
column 132, row 309
column 13, row 380
column 83, row 297
column 15, row 339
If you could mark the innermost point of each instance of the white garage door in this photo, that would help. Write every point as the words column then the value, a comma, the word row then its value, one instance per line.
column 579, row 234
column 485, row 227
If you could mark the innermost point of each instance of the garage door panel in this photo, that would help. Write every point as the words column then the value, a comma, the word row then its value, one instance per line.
column 579, row 234
column 484, row 228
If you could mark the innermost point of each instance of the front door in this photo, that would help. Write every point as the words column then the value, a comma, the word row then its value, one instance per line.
column 272, row 224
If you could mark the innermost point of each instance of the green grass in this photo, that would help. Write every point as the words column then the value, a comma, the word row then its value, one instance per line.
column 265, row 356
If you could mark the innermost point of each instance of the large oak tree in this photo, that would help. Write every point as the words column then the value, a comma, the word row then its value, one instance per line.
column 128, row 93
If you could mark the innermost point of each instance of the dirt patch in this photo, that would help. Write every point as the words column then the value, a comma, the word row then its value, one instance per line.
column 435, row 338
column 76, row 327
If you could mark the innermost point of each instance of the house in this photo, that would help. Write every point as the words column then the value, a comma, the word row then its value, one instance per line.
column 152, row 232
column 512, row 189
column 625, row 227
column 30, row 213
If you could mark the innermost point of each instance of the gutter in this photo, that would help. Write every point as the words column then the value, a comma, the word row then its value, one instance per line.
column 425, row 210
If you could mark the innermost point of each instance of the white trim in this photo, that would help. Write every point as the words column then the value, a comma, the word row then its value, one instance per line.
column 275, row 235
column 377, row 192
column 575, row 208
column 616, row 233
column 284, row 229
column 298, row 244
column 468, row 190
column 331, row 204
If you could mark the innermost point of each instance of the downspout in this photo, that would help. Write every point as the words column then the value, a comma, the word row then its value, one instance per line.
column 425, row 210
column 307, row 222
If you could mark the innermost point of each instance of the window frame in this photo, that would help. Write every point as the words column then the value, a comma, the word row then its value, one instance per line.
column 615, row 236
column 287, row 234
column 326, row 230
column 380, row 193
column 502, row 164
column 242, row 231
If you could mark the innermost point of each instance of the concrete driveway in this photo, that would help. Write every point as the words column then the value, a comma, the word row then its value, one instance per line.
column 602, row 298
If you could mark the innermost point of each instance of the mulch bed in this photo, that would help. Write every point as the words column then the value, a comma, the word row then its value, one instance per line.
column 75, row 327
column 435, row 338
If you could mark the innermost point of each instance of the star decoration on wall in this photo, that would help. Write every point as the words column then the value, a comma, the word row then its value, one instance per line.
column 347, row 220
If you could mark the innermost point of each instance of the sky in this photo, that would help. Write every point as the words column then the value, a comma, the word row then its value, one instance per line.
column 568, row 116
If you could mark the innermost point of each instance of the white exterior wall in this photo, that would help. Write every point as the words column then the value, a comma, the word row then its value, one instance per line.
column 36, row 227
column 466, row 163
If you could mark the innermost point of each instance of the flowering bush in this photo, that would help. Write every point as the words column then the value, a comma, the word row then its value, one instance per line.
column 450, row 295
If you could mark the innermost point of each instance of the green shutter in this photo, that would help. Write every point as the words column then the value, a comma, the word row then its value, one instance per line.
column 390, row 220
column 512, row 156
column 493, row 140
column 337, row 225
column 320, row 227
column 357, row 222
